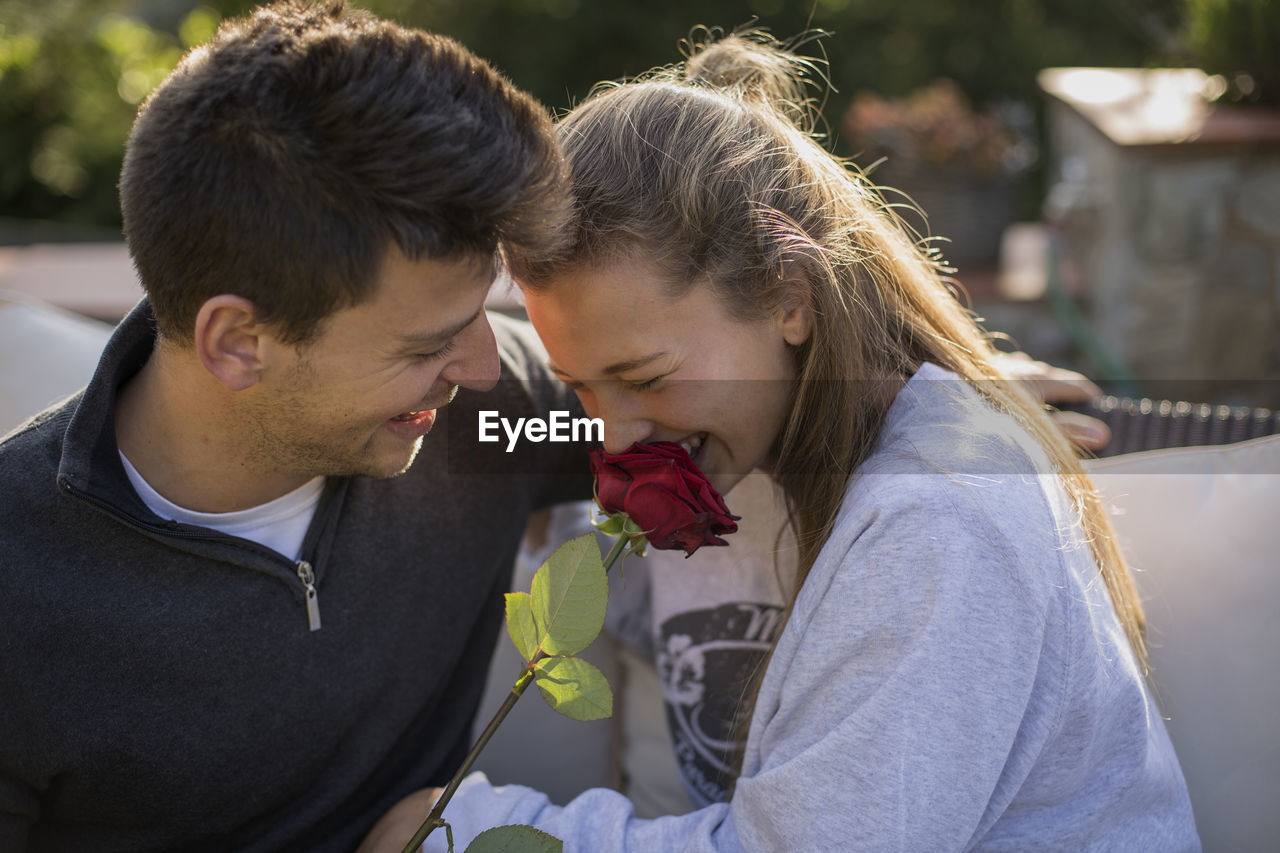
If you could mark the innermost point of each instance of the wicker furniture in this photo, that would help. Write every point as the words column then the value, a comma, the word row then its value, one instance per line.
column 1143, row 424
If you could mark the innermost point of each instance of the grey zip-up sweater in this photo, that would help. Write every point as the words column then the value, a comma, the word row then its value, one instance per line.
column 160, row 684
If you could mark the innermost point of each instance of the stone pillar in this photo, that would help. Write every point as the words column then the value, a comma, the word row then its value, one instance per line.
column 1168, row 212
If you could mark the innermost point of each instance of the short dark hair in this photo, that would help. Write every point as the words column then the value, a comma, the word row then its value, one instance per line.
column 283, row 159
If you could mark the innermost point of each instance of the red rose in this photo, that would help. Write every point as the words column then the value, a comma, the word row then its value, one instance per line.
column 661, row 489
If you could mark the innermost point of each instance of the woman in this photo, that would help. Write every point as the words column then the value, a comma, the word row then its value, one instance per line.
column 960, row 661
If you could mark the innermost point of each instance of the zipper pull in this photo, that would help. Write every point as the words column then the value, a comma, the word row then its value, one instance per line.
column 308, row 578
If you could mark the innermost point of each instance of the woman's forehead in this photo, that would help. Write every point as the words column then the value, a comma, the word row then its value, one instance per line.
column 598, row 317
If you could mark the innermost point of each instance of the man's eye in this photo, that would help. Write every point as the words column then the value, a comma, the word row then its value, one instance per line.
column 437, row 354
column 644, row 386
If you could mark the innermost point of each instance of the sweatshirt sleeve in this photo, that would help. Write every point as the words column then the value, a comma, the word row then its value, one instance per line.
column 905, row 702
column 598, row 820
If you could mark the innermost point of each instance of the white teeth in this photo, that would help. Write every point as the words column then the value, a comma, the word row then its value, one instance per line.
column 693, row 444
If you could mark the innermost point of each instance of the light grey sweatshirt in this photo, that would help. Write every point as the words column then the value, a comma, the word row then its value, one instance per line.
column 953, row 677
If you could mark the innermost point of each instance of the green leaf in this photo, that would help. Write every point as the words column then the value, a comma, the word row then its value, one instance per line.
column 613, row 525
column 515, row 839
column 570, row 594
column 520, row 625
column 574, row 687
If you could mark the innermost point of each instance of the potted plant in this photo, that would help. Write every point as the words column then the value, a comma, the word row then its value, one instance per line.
column 960, row 166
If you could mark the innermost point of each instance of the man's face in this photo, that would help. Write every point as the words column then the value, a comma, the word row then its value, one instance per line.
column 359, row 397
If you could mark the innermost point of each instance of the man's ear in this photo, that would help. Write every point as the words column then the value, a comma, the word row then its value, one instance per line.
column 229, row 340
column 795, row 314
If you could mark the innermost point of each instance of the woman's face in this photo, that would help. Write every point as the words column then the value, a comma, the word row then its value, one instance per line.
column 655, row 368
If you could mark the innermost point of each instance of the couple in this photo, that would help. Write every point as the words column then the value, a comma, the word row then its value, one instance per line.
column 239, row 614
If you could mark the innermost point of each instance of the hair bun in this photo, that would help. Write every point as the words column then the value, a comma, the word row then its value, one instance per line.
column 751, row 63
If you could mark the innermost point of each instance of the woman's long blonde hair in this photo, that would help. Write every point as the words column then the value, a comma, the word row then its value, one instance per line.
column 710, row 168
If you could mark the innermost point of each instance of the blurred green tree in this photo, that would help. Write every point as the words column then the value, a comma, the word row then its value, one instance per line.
column 1239, row 39
column 72, row 72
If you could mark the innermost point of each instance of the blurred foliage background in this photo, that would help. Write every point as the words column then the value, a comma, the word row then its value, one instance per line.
column 72, row 72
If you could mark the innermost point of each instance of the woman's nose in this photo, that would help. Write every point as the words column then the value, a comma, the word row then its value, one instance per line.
column 623, row 426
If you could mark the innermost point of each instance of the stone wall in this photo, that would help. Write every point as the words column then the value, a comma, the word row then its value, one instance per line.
column 1174, row 246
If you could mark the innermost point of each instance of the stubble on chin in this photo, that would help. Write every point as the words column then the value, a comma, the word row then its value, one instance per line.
column 340, row 454
column 289, row 435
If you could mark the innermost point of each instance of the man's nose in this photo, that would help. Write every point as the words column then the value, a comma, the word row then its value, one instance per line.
column 475, row 365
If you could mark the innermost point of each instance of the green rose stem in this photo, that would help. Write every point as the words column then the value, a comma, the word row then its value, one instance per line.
column 435, row 819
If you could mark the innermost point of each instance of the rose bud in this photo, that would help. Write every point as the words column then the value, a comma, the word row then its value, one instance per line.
column 660, row 488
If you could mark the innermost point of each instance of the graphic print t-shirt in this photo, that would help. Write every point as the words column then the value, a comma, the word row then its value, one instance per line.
column 715, row 616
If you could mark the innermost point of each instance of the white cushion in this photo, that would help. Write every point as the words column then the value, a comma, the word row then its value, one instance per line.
column 45, row 355
column 1201, row 528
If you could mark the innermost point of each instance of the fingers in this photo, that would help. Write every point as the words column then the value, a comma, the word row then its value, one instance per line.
column 1051, row 384
column 394, row 829
column 1058, row 385
column 1084, row 431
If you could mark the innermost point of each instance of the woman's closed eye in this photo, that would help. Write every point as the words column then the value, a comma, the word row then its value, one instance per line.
column 646, row 385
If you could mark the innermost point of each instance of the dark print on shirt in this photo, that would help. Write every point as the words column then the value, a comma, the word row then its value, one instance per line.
column 707, row 662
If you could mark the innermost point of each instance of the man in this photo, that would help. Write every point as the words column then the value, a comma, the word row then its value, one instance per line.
column 235, row 613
